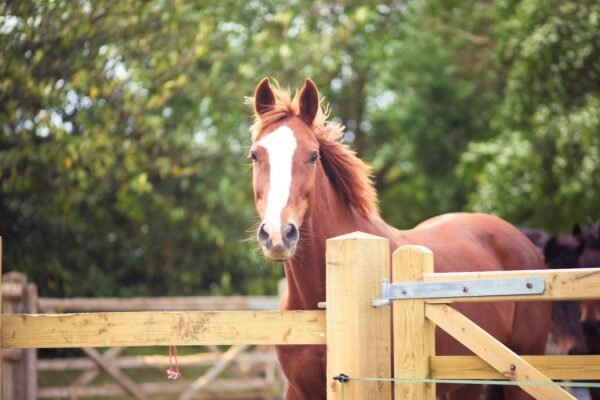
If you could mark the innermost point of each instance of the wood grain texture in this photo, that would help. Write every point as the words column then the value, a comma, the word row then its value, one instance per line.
column 152, row 361
column 414, row 335
column 358, row 335
column 561, row 284
column 180, row 303
column 162, row 329
column 492, row 351
column 574, row 368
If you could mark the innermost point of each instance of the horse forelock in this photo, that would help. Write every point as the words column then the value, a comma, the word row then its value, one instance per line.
column 348, row 174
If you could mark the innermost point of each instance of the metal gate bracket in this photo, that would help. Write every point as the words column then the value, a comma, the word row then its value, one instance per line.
column 458, row 289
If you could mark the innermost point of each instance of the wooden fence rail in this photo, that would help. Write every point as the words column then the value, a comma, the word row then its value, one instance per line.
column 185, row 328
column 357, row 335
column 202, row 360
column 21, row 374
column 256, row 370
column 198, row 303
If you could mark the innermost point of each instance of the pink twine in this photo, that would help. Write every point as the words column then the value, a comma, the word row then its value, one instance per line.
column 173, row 374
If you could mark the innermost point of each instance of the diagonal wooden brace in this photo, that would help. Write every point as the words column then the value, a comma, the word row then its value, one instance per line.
column 509, row 364
column 88, row 376
column 123, row 380
column 224, row 361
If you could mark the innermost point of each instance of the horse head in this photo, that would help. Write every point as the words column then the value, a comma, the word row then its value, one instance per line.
column 590, row 241
column 562, row 252
column 285, row 156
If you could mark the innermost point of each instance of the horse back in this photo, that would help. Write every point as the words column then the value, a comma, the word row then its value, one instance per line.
column 464, row 242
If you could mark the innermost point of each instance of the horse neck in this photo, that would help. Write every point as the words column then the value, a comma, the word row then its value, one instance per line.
column 328, row 217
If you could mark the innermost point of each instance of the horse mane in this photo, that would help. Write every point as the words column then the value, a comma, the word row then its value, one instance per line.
column 348, row 174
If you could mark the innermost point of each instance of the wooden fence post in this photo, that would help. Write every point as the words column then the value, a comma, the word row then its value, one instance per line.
column 358, row 335
column 1, row 356
column 414, row 335
column 30, row 355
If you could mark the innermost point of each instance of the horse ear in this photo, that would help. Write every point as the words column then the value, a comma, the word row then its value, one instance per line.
column 550, row 249
column 309, row 101
column 264, row 98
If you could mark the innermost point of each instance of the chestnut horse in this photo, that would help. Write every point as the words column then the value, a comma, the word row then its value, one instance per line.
column 309, row 187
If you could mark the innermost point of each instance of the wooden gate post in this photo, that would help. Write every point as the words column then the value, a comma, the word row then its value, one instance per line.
column 414, row 335
column 30, row 355
column 1, row 356
column 358, row 335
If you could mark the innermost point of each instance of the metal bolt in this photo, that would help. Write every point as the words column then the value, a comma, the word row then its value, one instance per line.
column 341, row 378
column 465, row 289
column 404, row 291
column 529, row 285
column 513, row 367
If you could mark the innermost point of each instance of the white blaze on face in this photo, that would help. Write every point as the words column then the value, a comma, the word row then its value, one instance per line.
column 280, row 145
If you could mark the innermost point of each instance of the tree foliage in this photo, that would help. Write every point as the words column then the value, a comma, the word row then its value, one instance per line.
column 542, row 167
column 124, row 133
column 116, row 177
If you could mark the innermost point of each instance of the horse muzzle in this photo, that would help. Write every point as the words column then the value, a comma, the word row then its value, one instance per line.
column 278, row 244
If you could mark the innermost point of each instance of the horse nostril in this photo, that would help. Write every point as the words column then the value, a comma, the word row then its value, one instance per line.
column 263, row 236
column 291, row 234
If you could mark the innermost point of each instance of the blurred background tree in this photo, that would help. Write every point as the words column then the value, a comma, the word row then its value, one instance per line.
column 124, row 132
column 542, row 166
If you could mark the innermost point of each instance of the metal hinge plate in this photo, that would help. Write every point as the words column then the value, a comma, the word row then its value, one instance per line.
column 458, row 289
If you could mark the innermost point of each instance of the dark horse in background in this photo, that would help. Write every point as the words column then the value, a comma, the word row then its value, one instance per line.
column 590, row 257
column 309, row 187
column 575, row 325
column 590, row 310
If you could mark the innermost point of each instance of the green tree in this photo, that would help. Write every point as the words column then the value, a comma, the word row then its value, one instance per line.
column 543, row 167
column 436, row 93
column 124, row 132
column 116, row 178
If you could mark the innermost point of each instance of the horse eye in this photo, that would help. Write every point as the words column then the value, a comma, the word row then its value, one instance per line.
column 313, row 157
column 252, row 157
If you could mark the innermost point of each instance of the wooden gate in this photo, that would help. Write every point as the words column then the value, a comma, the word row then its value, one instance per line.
column 358, row 335
column 415, row 365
